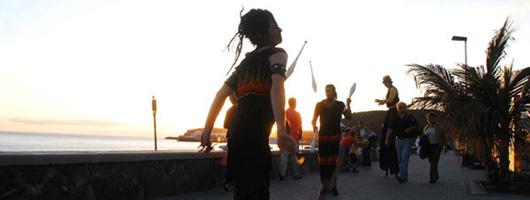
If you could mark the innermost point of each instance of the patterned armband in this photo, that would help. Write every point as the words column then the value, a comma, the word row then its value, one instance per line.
column 278, row 69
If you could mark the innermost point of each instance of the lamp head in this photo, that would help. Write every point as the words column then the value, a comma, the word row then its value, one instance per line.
column 459, row 38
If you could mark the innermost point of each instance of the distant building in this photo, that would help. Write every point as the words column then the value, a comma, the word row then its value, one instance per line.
column 217, row 135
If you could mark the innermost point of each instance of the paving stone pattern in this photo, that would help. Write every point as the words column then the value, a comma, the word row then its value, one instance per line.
column 371, row 183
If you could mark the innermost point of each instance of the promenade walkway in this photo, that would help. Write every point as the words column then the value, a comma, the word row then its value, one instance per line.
column 371, row 183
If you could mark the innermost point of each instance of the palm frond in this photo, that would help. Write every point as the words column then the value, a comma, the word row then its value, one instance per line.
column 524, row 100
column 434, row 79
column 427, row 103
column 497, row 46
column 520, row 79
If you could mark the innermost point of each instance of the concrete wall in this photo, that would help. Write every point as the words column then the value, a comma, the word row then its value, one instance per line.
column 115, row 175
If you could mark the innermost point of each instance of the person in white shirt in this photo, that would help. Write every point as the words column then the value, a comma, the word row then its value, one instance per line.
column 436, row 136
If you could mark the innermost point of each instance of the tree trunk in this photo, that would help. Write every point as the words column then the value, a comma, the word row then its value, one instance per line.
column 504, row 161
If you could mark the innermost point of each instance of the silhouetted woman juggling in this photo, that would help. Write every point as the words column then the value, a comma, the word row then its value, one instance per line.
column 259, row 84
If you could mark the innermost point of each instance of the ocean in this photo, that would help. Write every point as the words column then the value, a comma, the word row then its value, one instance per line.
column 22, row 142
column 27, row 142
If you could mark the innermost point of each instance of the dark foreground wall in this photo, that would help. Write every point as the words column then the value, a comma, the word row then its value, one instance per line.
column 115, row 175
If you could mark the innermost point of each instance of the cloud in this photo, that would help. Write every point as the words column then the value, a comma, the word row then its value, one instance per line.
column 74, row 122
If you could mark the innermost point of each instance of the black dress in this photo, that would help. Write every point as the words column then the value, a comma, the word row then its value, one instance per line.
column 329, row 141
column 249, row 158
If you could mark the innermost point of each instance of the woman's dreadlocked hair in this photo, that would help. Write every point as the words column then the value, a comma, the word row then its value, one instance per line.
column 256, row 21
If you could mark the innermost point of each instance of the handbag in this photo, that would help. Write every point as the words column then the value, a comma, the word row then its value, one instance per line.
column 425, row 147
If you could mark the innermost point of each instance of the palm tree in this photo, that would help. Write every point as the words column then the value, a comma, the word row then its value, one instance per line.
column 482, row 105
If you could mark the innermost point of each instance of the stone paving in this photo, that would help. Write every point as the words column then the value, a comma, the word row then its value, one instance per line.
column 371, row 183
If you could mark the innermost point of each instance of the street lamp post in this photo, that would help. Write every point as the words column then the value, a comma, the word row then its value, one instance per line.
column 460, row 38
column 154, row 119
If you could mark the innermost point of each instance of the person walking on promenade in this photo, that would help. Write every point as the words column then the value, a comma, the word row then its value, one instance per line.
column 387, row 154
column 330, row 112
column 366, row 135
column 288, row 159
column 259, row 84
column 435, row 134
column 404, row 128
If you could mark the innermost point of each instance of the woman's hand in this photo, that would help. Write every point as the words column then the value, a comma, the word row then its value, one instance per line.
column 206, row 145
column 286, row 142
column 215, row 108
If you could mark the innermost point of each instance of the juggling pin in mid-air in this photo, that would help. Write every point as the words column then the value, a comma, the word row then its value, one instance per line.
column 293, row 65
column 352, row 89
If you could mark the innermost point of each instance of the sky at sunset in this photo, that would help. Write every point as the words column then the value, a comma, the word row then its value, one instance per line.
column 91, row 66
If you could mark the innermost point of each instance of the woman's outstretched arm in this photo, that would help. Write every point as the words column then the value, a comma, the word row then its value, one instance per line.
column 215, row 108
column 285, row 141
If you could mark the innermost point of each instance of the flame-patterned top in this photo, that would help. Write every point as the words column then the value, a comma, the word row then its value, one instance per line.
column 253, row 75
column 252, row 81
